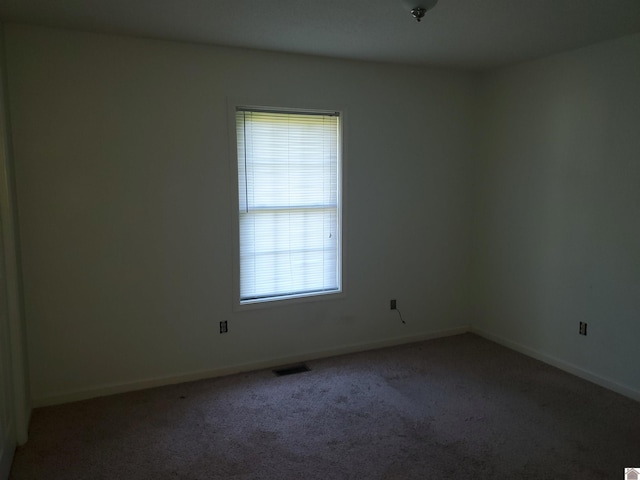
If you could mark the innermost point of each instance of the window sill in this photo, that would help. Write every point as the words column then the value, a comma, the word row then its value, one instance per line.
column 289, row 300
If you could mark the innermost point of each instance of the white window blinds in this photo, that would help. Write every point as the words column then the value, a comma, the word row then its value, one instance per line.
column 289, row 203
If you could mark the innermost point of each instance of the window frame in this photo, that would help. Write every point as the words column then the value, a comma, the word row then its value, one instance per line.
column 238, row 304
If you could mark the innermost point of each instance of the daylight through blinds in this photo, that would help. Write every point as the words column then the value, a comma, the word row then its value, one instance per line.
column 289, row 203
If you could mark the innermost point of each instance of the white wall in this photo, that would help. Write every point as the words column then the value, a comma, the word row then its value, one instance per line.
column 14, row 395
column 7, row 415
column 559, row 225
column 125, row 200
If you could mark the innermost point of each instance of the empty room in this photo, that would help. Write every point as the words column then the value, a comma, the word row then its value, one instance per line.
column 342, row 239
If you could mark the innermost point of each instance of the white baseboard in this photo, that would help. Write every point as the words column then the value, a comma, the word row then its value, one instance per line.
column 7, row 449
column 562, row 365
column 104, row 390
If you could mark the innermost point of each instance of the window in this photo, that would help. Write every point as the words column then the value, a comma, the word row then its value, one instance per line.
column 289, row 199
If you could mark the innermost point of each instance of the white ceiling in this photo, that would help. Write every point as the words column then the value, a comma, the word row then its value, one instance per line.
column 473, row 34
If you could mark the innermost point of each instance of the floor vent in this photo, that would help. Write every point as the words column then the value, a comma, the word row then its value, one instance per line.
column 299, row 368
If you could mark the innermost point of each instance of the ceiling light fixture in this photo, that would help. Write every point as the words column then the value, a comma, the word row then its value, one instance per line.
column 418, row 11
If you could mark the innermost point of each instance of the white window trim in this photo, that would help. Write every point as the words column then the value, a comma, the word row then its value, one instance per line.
column 232, row 105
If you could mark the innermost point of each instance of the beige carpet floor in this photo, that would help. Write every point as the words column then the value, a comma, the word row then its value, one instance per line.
column 453, row 408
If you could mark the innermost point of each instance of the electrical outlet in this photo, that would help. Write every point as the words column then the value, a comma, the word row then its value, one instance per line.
column 392, row 303
column 583, row 328
column 223, row 327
